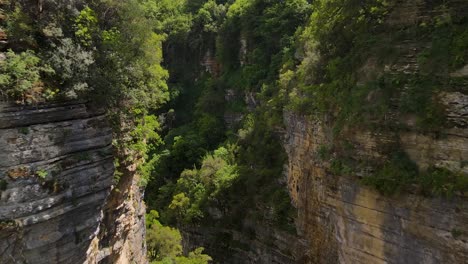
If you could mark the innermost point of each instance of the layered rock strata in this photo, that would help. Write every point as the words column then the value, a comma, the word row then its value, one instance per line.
column 56, row 170
column 347, row 222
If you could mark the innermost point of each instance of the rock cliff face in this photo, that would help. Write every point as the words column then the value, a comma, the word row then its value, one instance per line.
column 56, row 173
column 264, row 243
column 347, row 222
column 121, row 238
column 56, row 170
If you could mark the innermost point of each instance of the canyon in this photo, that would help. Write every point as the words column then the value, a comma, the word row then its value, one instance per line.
column 281, row 132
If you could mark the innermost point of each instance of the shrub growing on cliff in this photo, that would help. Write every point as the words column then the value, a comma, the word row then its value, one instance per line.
column 395, row 176
column 71, row 64
column 20, row 77
column 400, row 174
column 198, row 188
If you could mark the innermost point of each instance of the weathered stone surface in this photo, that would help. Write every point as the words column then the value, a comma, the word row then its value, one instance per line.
column 266, row 244
column 121, row 239
column 56, row 176
column 347, row 222
column 64, row 155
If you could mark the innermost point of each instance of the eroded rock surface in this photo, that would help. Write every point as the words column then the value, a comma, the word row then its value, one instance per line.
column 347, row 222
column 56, row 171
column 56, row 176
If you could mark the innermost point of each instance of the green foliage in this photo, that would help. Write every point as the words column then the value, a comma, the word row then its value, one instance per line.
column 456, row 233
column 164, row 244
column 331, row 64
column 335, row 43
column 324, row 152
column 181, row 204
column 199, row 188
column 400, row 174
column 20, row 77
column 443, row 182
column 3, row 185
column 20, row 28
column 162, row 241
column 42, row 174
column 397, row 174
column 448, row 39
column 169, row 16
column 187, row 181
column 71, row 64
column 420, row 100
column 344, row 38
column 269, row 27
column 340, row 40
column 210, row 16
column 194, row 257
column 86, row 26
column 24, row 130
column 340, row 167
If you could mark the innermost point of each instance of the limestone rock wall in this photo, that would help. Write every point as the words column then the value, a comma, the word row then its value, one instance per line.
column 56, row 171
column 346, row 222
column 263, row 244
column 121, row 239
column 57, row 202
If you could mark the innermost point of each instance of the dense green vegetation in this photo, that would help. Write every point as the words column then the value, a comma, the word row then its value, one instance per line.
column 164, row 244
column 345, row 76
column 107, row 53
column 103, row 52
column 203, row 163
column 323, row 59
column 197, row 89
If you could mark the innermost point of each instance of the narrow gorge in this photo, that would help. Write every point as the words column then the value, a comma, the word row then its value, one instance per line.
column 234, row 131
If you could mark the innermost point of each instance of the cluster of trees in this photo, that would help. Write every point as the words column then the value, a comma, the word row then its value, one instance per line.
column 96, row 50
column 190, row 174
column 165, row 244
column 198, row 188
column 107, row 53
column 294, row 55
column 297, row 55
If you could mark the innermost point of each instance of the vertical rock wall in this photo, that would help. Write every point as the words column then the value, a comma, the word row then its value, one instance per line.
column 56, row 176
column 121, row 238
column 346, row 222
column 56, row 170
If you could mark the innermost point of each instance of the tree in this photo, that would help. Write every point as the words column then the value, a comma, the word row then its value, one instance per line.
column 164, row 244
column 20, row 77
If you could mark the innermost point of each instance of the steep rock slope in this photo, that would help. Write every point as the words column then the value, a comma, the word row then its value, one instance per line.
column 56, row 169
column 346, row 221
column 56, row 173
column 268, row 244
column 121, row 238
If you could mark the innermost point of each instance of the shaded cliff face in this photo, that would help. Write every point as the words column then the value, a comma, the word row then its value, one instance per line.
column 347, row 222
column 56, row 169
column 56, row 174
column 257, row 242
